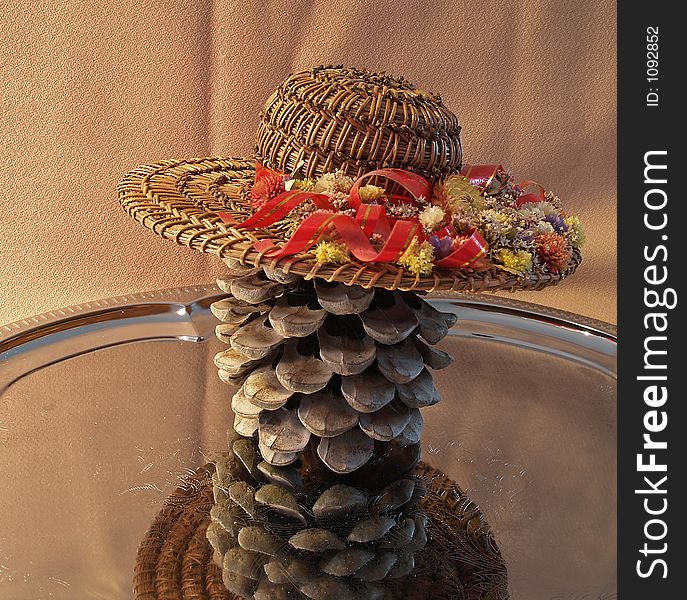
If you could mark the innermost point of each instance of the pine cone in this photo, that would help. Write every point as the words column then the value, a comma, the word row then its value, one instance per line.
column 331, row 381
column 276, row 537
column 344, row 364
column 553, row 251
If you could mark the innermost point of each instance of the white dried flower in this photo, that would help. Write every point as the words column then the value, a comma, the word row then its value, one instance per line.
column 546, row 207
column 431, row 217
column 334, row 182
column 545, row 227
column 532, row 212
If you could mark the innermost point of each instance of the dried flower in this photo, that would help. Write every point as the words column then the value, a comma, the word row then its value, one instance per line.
column 545, row 207
column 401, row 210
column 462, row 222
column 521, row 238
column 575, row 232
column 442, row 246
column 370, row 193
column 456, row 194
column 557, row 222
column 518, row 262
column 431, row 217
column 545, row 227
column 266, row 188
column 305, row 185
column 303, row 210
column 334, row 182
column 553, row 251
column 532, row 211
column 553, row 199
column 418, row 258
column 495, row 224
column 332, row 253
column 339, row 200
column 377, row 241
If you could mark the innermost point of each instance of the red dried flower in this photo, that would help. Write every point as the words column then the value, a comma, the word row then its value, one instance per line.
column 268, row 186
column 553, row 250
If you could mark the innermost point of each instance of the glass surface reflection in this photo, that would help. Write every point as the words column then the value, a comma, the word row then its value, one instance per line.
column 92, row 445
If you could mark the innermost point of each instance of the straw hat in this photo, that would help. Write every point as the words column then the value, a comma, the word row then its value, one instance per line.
column 350, row 122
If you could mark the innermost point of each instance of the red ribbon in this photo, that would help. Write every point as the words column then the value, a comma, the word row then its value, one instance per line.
column 480, row 176
column 277, row 208
column 318, row 225
column 466, row 254
column 415, row 184
column 538, row 196
column 355, row 233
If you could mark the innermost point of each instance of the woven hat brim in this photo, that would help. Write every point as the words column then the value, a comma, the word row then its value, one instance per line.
column 180, row 199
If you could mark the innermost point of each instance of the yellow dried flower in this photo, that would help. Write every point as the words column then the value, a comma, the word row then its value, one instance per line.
column 431, row 217
column 456, row 193
column 305, row 185
column 575, row 231
column 332, row 253
column 495, row 224
column 370, row 193
column 518, row 262
column 418, row 258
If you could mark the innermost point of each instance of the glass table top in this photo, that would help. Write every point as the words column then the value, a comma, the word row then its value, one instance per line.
column 105, row 408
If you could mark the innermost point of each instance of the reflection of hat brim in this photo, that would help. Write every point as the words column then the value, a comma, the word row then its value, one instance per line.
column 461, row 559
column 180, row 200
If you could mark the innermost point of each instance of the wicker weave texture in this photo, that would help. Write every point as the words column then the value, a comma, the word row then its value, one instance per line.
column 332, row 118
column 179, row 200
column 460, row 562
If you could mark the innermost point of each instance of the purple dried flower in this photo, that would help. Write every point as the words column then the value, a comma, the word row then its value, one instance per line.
column 557, row 223
column 524, row 236
column 442, row 246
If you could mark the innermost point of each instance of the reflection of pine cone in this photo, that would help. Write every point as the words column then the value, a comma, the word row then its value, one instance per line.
column 332, row 379
column 276, row 537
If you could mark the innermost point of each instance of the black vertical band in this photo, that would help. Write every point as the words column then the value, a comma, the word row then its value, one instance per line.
column 651, row 274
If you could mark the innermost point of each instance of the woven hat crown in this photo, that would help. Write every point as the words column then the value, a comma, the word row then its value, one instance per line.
column 330, row 118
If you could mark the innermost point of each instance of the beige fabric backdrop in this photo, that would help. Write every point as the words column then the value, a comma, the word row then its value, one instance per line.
column 91, row 89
